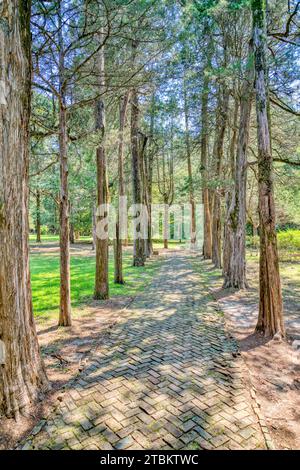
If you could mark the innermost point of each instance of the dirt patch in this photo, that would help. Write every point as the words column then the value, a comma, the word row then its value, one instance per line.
column 274, row 367
column 64, row 351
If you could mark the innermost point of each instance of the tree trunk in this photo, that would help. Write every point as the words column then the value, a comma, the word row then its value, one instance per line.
column 230, row 194
column 121, row 215
column 145, row 196
column 138, row 247
column 72, row 234
column 138, row 242
column 22, row 373
column 38, row 216
column 150, row 160
column 270, row 318
column 207, row 235
column 94, row 235
column 190, row 174
column 235, row 272
column 65, row 287
column 166, row 222
column 221, row 122
column 165, row 181
column 101, row 278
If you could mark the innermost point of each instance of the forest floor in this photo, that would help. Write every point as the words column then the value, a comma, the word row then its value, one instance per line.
column 274, row 367
column 180, row 347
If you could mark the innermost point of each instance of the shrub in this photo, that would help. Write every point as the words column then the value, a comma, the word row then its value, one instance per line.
column 44, row 229
column 289, row 239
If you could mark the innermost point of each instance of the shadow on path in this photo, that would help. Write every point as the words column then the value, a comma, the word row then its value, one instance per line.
column 167, row 377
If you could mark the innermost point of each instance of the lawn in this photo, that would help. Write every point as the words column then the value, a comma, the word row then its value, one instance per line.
column 87, row 239
column 54, row 238
column 45, row 280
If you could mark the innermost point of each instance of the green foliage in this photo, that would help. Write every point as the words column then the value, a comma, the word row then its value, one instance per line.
column 289, row 239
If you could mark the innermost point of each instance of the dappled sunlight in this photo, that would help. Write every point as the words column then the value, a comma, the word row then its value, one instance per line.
column 167, row 376
column 45, row 280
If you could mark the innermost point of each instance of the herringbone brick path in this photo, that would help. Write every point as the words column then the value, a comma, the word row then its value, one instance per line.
column 168, row 377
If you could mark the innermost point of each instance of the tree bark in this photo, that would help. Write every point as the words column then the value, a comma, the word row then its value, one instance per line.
column 72, row 234
column 270, row 318
column 22, row 373
column 230, row 194
column 207, row 235
column 149, row 166
column 166, row 222
column 165, row 181
column 235, row 271
column 121, row 215
column 144, row 180
column 190, row 172
column 38, row 216
column 94, row 235
column 101, row 278
column 138, row 242
column 65, row 285
column 221, row 122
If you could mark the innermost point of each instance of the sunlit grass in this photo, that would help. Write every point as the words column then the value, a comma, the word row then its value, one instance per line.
column 54, row 238
column 87, row 239
column 45, row 279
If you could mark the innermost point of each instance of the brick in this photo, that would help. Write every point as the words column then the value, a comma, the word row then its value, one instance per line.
column 164, row 378
column 124, row 443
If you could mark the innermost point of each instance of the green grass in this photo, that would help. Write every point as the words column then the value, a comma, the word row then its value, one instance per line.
column 45, row 238
column 45, row 280
column 86, row 238
column 54, row 238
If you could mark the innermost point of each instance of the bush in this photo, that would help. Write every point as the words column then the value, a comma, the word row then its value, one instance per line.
column 289, row 240
column 44, row 229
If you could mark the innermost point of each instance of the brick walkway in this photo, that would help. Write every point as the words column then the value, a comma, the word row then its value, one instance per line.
column 168, row 377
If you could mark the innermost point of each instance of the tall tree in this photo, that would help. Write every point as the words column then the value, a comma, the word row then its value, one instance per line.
column 221, row 123
column 149, row 171
column 22, row 373
column 65, row 282
column 189, row 164
column 235, row 269
column 101, row 280
column 229, row 195
column 165, row 181
column 121, row 225
column 138, row 242
column 143, row 139
column 207, row 235
column 270, row 318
